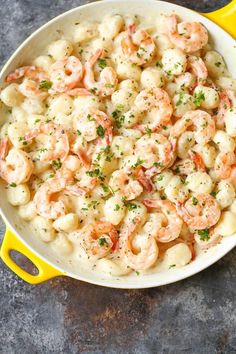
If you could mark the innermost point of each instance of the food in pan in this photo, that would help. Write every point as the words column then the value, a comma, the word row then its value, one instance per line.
column 119, row 143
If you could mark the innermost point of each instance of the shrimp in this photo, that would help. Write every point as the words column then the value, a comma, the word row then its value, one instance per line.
column 43, row 199
column 32, row 72
column 158, row 103
column 200, row 120
column 16, row 167
column 121, row 181
column 97, row 239
column 65, row 74
column 148, row 253
column 209, row 239
column 198, row 161
column 108, row 81
column 102, row 120
column 171, row 229
column 155, row 152
column 184, row 167
column 58, row 141
column 224, row 106
column 138, row 46
column 3, row 148
column 224, row 163
column 144, row 180
column 198, row 68
column 200, row 213
column 188, row 36
column 34, row 78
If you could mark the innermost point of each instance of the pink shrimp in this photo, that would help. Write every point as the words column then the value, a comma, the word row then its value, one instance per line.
column 224, row 106
column 198, row 161
column 16, row 166
column 66, row 74
column 158, row 102
column 200, row 213
column 171, row 230
column 224, row 163
column 200, row 120
column 58, row 140
column 188, row 36
column 207, row 239
column 4, row 147
column 197, row 66
column 148, row 253
column 108, row 77
column 138, row 46
column 145, row 181
column 32, row 72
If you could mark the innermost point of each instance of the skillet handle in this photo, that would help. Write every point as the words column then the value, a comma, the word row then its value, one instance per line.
column 225, row 17
column 12, row 243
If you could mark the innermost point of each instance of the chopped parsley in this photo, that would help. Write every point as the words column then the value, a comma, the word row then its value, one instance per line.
column 56, row 164
column 194, row 201
column 204, row 234
column 13, row 185
column 218, row 64
column 138, row 162
column 100, row 131
column 148, row 131
column 160, row 178
column 45, row 85
column 117, row 207
column 180, row 99
column 172, row 266
column 199, row 97
column 131, row 206
column 213, row 194
column 79, row 132
column 102, row 63
column 102, row 242
column 95, row 173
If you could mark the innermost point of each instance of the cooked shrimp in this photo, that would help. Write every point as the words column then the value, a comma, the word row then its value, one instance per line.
column 43, row 199
column 16, row 167
column 58, row 138
column 171, row 228
column 198, row 161
column 203, row 123
column 188, row 36
column 224, row 106
column 184, row 167
column 198, row 68
column 138, row 46
column 200, row 213
column 126, row 185
column 102, row 119
column 32, row 72
column 209, row 239
column 66, row 74
column 144, row 180
column 158, row 103
column 3, row 148
column 224, row 163
column 148, row 251
column 108, row 81
column 97, row 239
column 155, row 152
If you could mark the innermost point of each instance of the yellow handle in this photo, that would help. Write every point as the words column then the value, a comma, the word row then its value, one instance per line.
column 225, row 18
column 12, row 243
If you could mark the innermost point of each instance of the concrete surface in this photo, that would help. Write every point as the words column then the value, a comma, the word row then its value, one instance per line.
column 194, row 316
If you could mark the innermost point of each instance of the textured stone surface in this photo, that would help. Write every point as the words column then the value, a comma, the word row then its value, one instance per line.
column 194, row 316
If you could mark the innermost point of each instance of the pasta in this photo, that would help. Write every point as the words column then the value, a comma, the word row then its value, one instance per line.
column 119, row 144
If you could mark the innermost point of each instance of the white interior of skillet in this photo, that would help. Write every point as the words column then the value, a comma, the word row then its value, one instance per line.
column 31, row 48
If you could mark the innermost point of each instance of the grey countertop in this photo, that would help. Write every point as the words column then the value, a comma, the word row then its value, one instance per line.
column 194, row 316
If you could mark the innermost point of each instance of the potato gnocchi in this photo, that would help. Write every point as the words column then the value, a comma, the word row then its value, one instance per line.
column 119, row 144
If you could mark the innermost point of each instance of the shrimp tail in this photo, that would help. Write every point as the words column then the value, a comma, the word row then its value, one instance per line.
column 198, row 161
column 145, row 181
column 4, row 147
